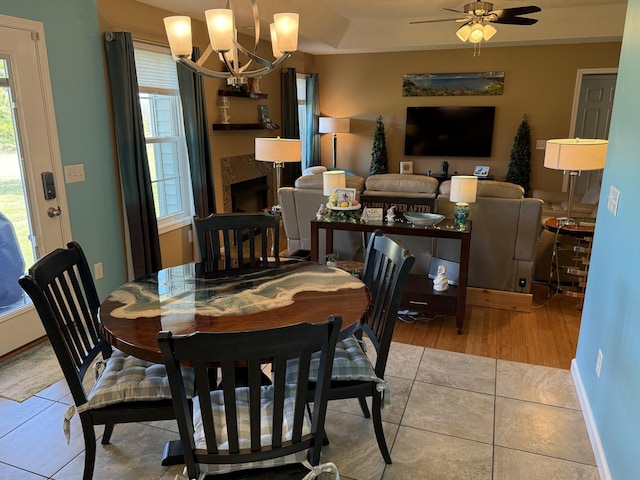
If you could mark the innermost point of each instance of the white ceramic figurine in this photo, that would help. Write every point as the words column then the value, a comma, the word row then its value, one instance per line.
column 441, row 282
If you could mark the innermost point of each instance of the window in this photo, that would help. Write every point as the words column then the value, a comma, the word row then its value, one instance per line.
column 164, row 135
column 301, row 87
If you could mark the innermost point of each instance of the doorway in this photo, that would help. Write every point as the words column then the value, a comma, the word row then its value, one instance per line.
column 591, row 116
column 33, row 205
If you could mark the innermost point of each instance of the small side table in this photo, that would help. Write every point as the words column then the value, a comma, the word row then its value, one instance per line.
column 571, row 255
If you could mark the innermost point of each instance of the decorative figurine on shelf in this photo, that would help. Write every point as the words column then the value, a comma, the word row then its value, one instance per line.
column 223, row 105
column 441, row 282
column 391, row 215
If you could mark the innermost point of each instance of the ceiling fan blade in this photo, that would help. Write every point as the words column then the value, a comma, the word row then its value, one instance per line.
column 452, row 10
column 441, row 20
column 515, row 21
column 512, row 12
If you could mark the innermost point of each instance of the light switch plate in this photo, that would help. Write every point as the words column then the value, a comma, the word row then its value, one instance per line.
column 612, row 200
column 74, row 173
column 541, row 144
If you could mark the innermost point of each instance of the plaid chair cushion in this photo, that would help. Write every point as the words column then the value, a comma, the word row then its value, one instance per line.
column 266, row 415
column 129, row 379
column 349, row 364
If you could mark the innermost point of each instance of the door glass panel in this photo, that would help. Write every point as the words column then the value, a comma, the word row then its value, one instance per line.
column 16, row 250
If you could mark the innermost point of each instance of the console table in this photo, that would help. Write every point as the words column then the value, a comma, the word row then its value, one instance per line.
column 419, row 294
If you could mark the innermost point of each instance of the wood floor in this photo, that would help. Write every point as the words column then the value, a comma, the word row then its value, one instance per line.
column 547, row 336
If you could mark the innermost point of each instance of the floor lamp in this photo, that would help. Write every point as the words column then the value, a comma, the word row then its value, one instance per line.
column 574, row 155
column 334, row 126
column 278, row 151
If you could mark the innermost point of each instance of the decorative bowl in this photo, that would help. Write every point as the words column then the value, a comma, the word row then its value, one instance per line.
column 423, row 219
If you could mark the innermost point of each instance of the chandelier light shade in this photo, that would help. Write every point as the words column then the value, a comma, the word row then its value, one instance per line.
column 278, row 151
column 574, row 155
column 334, row 126
column 331, row 180
column 223, row 38
column 463, row 191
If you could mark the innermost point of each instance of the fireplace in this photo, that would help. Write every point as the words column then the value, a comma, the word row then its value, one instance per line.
column 249, row 195
column 247, row 185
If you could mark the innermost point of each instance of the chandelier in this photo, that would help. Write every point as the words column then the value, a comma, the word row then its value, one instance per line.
column 223, row 37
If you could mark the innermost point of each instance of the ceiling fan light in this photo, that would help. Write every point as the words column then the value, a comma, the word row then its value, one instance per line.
column 477, row 31
column 463, row 32
column 489, row 31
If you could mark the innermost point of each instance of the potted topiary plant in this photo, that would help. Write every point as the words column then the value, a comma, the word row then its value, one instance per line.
column 379, row 150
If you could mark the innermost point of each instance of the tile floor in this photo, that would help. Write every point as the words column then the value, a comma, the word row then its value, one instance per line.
column 452, row 416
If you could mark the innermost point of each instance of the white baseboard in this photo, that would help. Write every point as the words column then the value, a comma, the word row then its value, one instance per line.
column 592, row 429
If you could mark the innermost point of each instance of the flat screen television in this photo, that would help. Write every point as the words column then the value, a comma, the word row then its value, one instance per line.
column 449, row 131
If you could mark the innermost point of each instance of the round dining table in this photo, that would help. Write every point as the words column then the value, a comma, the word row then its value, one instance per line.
column 193, row 297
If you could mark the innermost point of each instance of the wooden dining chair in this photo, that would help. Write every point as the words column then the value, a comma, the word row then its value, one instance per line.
column 386, row 269
column 237, row 240
column 257, row 426
column 126, row 389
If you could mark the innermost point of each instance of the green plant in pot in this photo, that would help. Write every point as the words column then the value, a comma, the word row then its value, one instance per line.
column 331, row 259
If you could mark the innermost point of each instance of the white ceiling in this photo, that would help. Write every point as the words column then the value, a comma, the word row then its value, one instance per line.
column 360, row 26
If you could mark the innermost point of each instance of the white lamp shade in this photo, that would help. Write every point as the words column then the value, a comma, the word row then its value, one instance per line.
column 463, row 188
column 278, row 149
column 575, row 154
column 220, row 27
column 331, row 180
column 286, row 26
column 334, row 125
column 178, row 30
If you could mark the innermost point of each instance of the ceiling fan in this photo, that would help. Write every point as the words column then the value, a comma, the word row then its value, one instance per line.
column 478, row 16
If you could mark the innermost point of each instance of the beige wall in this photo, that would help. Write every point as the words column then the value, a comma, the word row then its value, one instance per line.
column 539, row 81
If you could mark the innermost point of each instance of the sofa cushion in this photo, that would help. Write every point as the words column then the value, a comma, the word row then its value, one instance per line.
column 314, row 182
column 490, row 188
column 396, row 182
column 315, row 170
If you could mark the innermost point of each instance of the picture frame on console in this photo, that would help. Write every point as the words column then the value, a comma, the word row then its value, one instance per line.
column 406, row 168
column 481, row 171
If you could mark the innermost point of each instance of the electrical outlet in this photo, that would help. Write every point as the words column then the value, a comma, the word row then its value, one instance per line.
column 599, row 363
column 522, row 282
column 97, row 270
column 541, row 144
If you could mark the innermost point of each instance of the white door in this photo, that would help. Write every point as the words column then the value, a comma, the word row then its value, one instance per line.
column 593, row 105
column 33, row 219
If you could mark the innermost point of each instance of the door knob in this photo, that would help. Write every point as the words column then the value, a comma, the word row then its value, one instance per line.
column 54, row 212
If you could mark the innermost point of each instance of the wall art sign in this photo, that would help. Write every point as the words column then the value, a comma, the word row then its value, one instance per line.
column 452, row 84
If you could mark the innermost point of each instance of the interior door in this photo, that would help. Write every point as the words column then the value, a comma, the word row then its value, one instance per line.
column 592, row 115
column 33, row 204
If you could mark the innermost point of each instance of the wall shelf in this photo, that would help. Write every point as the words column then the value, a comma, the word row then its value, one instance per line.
column 244, row 126
column 234, row 93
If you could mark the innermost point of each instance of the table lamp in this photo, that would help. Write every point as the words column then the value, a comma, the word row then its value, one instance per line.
column 574, row 155
column 331, row 180
column 334, row 126
column 278, row 151
column 463, row 192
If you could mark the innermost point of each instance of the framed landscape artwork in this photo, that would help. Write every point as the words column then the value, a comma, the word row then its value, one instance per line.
column 452, row 84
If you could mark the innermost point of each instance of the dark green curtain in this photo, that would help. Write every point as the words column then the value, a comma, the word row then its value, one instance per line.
column 132, row 154
column 290, row 124
column 196, row 131
column 311, row 155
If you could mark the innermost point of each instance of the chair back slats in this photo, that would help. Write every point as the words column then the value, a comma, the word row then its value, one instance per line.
column 232, row 238
column 64, row 295
column 230, row 353
column 386, row 269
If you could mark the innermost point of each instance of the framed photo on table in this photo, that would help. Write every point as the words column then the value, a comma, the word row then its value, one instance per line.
column 346, row 195
column 481, row 171
column 406, row 168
